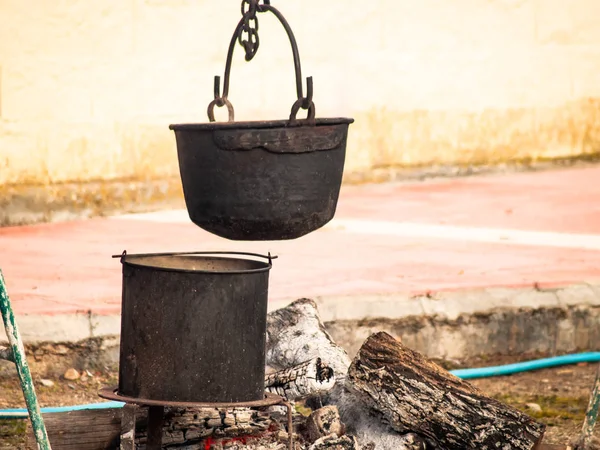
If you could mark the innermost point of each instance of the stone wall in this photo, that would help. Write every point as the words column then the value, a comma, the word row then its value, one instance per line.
column 88, row 89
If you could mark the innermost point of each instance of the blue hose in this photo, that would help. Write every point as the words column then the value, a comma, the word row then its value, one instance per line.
column 509, row 369
column 22, row 413
column 465, row 374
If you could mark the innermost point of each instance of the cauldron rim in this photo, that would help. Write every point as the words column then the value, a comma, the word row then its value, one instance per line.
column 260, row 124
column 144, row 261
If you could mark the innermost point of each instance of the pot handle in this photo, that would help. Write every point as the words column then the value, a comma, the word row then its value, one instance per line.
column 268, row 256
column 249, row 24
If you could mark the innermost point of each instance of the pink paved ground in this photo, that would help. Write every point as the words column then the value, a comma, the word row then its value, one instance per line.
column 66, row 267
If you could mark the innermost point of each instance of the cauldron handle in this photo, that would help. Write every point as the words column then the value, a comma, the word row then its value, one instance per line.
column 251, row 47
column 268, row 256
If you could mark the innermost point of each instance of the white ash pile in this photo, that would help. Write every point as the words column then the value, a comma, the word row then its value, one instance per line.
column 295, row 334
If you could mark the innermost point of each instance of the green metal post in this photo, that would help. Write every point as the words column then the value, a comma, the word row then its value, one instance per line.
column 18, row 354
column 591, row 416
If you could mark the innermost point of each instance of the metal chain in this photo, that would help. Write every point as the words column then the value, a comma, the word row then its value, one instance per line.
column 248, row 37
column 246, row 34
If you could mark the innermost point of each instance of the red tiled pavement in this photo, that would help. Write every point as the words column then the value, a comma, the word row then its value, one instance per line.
column 560, row 200
column 66, row 267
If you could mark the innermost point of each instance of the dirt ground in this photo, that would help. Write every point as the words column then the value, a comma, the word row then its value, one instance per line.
column 561, row 393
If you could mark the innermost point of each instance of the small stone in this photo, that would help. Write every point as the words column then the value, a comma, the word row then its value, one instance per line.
column 243, row 416
column 534, row 407
column 46, row 383
column 84, row 378
column 72, row 386
column 324, row 422
column 61, row 349
column 282, row 435
column 71, row 375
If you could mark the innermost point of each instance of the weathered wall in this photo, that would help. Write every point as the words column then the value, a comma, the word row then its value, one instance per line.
column 87, row 89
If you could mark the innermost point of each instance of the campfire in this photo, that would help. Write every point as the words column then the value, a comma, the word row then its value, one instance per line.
column 388, row 397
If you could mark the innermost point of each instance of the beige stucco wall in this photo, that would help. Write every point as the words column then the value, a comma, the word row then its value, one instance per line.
column 88, row 89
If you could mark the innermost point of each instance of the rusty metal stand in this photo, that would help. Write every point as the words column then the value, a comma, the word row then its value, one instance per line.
column 156, row 413
column 155, row 423
column 128, row 427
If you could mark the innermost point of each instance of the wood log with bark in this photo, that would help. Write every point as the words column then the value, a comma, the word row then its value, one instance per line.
column 411, row 393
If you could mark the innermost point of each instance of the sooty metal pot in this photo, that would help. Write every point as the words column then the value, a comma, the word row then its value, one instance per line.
column 262, row 180
column 193, row 326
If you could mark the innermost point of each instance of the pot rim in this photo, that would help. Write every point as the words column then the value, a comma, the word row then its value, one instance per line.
column 260, row 124
column 129, row 259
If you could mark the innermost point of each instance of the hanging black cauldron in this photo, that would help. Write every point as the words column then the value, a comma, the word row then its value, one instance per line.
column 262, row 180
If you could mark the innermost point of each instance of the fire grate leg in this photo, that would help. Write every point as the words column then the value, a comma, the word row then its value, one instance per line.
column 155, row 425
column 290, row 423
column 128, row 427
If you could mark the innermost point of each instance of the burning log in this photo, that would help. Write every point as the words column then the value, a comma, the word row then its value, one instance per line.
column 411, row 393
column 296, row 334
column 392, row 398
column 309, row 378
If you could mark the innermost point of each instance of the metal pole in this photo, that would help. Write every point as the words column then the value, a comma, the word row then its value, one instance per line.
column 18, row 354
column 591, row 416
column 155, row 427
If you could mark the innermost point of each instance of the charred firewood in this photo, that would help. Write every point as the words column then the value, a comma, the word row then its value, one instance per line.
column 311, row 377
column 412, row 394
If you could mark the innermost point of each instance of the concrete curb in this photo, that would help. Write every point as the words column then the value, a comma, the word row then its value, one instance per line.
column 455, row 325
column 450, row 325
column 450, row 306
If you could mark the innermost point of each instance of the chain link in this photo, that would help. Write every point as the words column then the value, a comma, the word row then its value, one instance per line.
column 246, row 34
column 248, row 38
